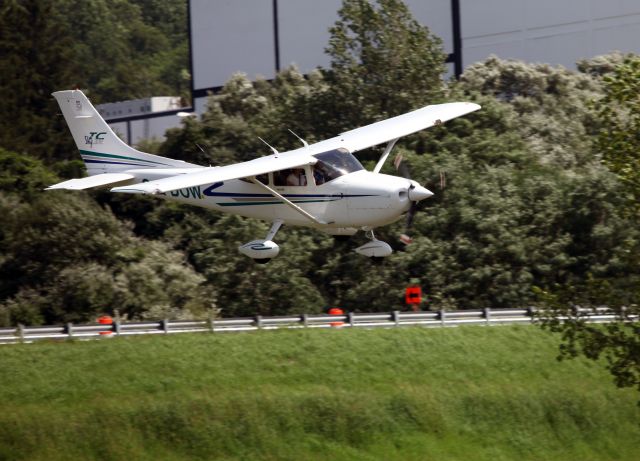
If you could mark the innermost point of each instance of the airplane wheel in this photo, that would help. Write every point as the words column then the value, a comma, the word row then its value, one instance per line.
column 342, row 238
column 262, row 261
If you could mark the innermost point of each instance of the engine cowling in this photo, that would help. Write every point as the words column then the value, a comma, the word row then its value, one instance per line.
column 260, row 249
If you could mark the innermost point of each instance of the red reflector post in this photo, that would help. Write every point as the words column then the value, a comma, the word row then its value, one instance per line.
column 105, row 320
column 336, row 311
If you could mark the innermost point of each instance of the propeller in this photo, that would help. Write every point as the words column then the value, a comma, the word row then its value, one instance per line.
column 415, row 192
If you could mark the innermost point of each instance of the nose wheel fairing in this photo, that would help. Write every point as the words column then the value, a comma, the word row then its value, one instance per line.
column 374, row 248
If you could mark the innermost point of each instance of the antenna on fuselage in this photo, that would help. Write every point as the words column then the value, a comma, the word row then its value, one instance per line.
column 306, row 144
column 275, row 151
column 205, row 152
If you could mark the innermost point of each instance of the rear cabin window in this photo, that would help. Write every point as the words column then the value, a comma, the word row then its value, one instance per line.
column 263, row 178
column 290, row 177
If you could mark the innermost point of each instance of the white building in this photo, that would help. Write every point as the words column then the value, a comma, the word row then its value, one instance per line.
column 138, row 119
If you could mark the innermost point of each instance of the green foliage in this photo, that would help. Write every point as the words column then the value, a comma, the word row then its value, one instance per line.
column 64, row 258
column 552, row 106
column 619, row 112
column 117, row 49
column 400, row 394
column 23, row 175
column 618, row 341
column 383, row 63
column 36, row 59
column 245, row 288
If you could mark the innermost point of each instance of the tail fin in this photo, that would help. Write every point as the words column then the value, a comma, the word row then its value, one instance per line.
column 101, row 149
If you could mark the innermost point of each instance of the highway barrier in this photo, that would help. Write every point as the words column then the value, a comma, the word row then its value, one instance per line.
column 486, row 316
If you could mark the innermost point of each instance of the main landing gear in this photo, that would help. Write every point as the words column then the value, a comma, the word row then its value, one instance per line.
column 263, row 251
column 376, row 249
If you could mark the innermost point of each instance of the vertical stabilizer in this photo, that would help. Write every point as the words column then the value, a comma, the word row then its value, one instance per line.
column 101, row 149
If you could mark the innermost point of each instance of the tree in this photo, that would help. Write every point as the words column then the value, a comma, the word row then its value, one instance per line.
column 37, row 59
column 553, row 106
column 619, row 137
column 116, row 49
column 617, row 143
column 383, row 63
column 64, row 258
column 565, row 311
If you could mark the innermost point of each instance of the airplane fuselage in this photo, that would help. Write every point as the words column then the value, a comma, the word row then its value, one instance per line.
column 354, row 201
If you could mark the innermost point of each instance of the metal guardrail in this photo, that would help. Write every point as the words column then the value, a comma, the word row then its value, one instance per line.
column 353, row 320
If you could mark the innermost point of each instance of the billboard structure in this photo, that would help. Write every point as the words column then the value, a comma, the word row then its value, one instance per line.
column 261, row 37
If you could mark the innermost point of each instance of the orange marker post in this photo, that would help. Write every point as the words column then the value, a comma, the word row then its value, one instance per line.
column 105, row 320
column 336, row 311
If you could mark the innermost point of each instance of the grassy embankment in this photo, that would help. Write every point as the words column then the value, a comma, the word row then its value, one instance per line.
column 401, row 394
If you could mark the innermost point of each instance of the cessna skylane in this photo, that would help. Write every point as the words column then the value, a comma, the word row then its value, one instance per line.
column 319, row 185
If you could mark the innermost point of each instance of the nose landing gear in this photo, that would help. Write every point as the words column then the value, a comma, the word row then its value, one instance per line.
column 376, row 249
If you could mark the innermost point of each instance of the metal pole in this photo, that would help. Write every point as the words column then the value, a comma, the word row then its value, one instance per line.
column 396, row 317
column 457, row 37
column 487, row 315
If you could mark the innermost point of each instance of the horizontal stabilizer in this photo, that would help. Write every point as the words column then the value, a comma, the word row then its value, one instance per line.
column 92, row 181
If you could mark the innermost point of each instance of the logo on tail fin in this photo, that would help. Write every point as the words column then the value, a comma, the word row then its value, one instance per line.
column 95, row 138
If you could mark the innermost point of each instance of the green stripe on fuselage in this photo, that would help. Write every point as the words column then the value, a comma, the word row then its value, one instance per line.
column 119, row 157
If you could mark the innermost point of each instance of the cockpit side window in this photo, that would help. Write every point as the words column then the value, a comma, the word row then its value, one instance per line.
column 333, row 164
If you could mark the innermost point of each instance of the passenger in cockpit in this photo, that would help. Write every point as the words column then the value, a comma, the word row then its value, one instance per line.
column 296, row 177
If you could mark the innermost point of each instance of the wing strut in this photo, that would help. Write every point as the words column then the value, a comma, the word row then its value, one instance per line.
column 286, row 201
column 384, row 156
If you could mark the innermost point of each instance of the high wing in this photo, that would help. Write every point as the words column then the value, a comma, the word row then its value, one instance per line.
column 353, row 141
column 210, row 175
column 397, row 127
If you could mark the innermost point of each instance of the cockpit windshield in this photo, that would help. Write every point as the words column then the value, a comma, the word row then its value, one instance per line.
column 333, row 164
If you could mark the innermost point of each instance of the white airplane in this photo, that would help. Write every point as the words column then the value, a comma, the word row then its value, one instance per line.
column 321, row 185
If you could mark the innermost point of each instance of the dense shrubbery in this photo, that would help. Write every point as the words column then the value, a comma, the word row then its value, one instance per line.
column 527, row 200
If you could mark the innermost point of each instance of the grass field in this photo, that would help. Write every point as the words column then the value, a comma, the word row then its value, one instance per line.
column 473, row 393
